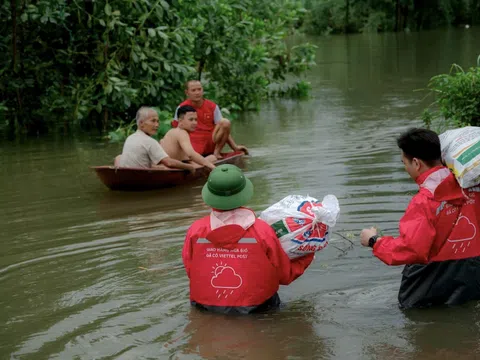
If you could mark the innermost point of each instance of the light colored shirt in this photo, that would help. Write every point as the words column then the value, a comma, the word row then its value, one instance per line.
column 217, row 115
column 141, row 151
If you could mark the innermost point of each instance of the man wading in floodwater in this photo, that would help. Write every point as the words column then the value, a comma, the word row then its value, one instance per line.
column 439, row 239
column 234, row 260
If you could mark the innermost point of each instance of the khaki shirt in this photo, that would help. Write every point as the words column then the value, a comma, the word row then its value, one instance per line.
column 141, row 151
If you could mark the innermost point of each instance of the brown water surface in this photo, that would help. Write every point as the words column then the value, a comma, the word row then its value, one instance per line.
column 72, row 252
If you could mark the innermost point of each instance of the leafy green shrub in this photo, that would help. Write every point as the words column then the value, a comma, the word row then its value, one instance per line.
column 300, row 90
column 70, row 64
column 457, row 97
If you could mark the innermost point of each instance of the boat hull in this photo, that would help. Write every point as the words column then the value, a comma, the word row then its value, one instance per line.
column 133, row 179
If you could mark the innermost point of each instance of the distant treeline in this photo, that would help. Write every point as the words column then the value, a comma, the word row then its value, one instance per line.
column 349, row 16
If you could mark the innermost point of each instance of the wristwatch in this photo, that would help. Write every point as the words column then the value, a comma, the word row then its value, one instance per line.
column 372, row 241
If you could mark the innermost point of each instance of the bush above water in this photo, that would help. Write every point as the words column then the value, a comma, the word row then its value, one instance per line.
column 457, row 98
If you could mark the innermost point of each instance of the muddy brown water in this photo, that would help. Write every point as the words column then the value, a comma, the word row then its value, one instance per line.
column 87, row 273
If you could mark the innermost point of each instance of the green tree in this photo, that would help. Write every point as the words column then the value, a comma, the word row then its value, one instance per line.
column 341, row 16
column 69, row 64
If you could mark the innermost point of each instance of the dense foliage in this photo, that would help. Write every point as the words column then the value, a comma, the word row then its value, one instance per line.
column 71, row 63
column 457, row 98
column 343, row 16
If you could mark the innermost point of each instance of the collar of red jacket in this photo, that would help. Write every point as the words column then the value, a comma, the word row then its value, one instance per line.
column 422, row 177
column 229, row 226
column 441, row 184
column 242, row 216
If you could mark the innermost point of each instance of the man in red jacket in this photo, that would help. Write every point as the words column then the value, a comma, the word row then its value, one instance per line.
column 234, row 261
column 439, row 240
column 213, row 131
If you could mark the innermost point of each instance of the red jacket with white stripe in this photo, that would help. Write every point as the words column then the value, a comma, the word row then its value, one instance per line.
column 440, row 229
column 240, row 263
column 432, row 228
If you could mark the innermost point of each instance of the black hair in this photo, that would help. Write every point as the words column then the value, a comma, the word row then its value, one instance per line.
column 187, row 83
column 182, row 110
column 422, row 144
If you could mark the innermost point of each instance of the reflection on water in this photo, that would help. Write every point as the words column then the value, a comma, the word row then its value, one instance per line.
column 89, row 273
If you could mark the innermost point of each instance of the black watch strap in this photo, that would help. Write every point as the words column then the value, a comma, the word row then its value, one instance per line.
column 372, row 241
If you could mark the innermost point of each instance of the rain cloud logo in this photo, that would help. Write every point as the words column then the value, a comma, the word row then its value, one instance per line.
column 224, row 277
column 464, row 236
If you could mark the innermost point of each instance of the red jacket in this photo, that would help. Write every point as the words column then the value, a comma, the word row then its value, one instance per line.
column 439, row 242
column 236, row 267
column 432, row 229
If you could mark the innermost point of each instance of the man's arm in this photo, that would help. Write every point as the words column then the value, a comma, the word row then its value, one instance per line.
column 172, row 163
column 186, row 145
column 288, row 269
column 159, row 156
column 414, row 243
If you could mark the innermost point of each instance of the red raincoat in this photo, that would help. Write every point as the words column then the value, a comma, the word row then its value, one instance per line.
column 440, row 229
column 238, row 266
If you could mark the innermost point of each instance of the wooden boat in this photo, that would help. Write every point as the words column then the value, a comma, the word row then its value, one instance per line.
column 138, row 179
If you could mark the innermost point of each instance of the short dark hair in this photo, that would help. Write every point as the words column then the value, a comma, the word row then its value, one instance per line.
column 187, row 83
column 182, row 110
column 422, row 144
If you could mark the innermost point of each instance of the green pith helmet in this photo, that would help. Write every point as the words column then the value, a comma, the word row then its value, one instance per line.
column 227, row 188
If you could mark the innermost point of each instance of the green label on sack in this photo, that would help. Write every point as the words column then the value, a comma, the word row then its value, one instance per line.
column 469, row 154
column 280, row 228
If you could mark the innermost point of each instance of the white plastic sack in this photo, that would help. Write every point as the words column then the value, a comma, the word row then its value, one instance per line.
column 302, row 223
column 461, row 154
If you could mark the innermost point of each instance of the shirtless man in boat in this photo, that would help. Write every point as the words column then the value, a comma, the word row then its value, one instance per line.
column 142, row 151
column 177, row 144
column 213, row 131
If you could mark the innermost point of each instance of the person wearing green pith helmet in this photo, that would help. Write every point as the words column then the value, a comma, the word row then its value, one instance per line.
column 234, row 261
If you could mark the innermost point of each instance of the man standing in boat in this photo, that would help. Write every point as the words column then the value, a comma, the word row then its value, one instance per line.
column 177, row 144
column 142, row 151
column 213, row 131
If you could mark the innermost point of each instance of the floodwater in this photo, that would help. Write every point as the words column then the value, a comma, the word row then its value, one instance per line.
column 87, row 273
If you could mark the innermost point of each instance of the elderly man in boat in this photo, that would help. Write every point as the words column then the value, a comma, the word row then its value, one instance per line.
column 142, row 151
column 177, row 143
